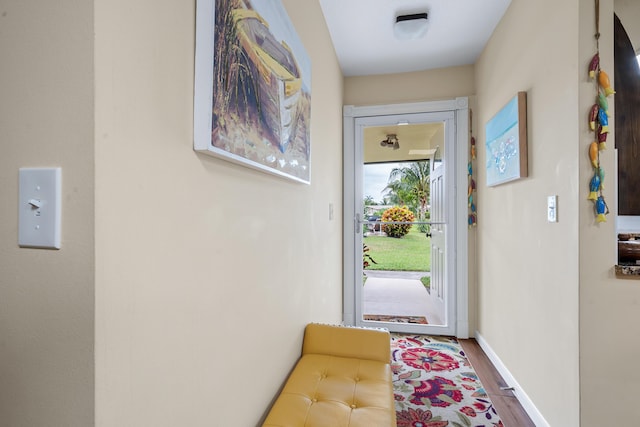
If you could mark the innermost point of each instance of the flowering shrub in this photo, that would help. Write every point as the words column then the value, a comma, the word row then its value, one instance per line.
column 397, row 214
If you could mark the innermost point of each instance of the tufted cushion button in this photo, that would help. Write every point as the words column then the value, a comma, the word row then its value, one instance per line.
column 357, row 379
column 314, row 400
column 353, row 406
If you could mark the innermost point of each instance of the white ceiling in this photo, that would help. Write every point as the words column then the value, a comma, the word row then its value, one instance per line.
column 362, row 33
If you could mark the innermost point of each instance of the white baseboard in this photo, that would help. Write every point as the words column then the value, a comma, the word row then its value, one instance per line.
column 520, row 394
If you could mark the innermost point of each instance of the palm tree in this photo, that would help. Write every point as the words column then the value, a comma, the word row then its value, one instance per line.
column 397, row 194
column 410, row 185
column 368, row 201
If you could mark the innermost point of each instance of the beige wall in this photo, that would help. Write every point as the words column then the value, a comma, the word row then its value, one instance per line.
column 531, row 301
column 528, row 275
column 206, row 272
column 629, row 13
column 609, row 307
column 430, row 85
column 46, row 296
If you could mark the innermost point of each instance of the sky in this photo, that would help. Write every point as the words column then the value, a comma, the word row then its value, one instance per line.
column 376, row 178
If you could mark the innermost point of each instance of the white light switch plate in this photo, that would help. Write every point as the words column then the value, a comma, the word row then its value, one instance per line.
column 552, row 208
column 40, row 207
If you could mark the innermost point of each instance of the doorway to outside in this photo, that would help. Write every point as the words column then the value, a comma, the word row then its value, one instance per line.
column 397, row 236
column 403, row 269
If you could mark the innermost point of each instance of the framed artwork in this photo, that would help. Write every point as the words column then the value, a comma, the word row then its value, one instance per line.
column 252, row 92
column 506, row 142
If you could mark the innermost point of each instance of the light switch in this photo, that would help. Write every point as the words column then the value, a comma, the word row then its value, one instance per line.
column 552, row 208
column 40, row 207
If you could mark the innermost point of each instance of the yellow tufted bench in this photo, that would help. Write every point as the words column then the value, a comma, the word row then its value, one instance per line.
column 343, row 379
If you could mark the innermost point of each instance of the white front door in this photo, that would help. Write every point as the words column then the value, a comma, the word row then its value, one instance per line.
column 395, row 295
column 422, row 300
column 439, row 291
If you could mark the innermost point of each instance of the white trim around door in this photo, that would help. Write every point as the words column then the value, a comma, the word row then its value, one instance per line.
column 459, row 256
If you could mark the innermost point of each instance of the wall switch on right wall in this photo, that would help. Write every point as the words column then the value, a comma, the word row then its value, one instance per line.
column 552, row 208
column 40, row 207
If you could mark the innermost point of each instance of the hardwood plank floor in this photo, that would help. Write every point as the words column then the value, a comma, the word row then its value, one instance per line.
column 509, row 409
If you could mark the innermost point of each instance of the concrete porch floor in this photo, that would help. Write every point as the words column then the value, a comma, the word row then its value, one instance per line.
column 400, row 294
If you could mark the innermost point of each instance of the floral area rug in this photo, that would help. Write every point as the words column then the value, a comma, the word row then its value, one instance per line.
column 435, row 385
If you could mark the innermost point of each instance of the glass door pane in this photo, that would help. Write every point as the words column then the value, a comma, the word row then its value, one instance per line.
column 396, row 225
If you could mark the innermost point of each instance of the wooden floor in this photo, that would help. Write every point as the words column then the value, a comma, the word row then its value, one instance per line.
column 509, row 409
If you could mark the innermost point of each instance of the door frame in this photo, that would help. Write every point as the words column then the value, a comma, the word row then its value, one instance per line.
column 459, row 254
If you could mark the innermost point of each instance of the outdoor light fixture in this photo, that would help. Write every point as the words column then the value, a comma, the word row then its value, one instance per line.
column 390, row 142
column 411, row 27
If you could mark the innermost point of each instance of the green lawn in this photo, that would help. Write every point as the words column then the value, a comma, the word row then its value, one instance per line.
column 409, row 253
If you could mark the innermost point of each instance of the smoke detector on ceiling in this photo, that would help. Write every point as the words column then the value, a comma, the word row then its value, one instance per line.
column 411, row 27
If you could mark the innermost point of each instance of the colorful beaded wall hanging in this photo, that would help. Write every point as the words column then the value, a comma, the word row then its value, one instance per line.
column 599, row 124
column 472, row 219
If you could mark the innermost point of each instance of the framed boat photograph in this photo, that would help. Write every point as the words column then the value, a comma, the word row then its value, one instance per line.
column 252, row 92
column 506, row 142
